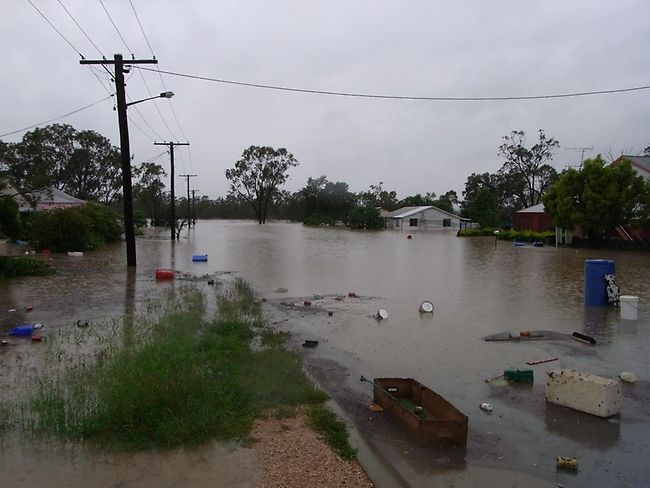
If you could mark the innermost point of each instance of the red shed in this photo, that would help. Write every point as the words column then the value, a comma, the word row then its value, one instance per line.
column 533, row 218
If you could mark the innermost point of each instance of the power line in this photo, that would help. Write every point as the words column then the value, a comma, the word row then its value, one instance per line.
column 57, row 30
column 58, row 118
column 142, row 28
column 116, row 29
column 80, row 28
column 171, row 105
column 401, row 97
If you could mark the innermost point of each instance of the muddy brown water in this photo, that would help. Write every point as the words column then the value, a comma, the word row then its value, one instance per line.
column 477, row 289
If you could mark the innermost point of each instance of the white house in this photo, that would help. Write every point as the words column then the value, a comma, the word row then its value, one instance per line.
column 424, row 218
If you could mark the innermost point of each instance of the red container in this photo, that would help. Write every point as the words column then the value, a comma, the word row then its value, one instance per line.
column 164, row 274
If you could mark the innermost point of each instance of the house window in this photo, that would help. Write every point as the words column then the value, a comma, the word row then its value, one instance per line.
column 446, row 222
column 413, row 222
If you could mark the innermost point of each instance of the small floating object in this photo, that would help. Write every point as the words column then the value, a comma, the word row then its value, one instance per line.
column 46, row 252
column 11, row 310
column 519, row 375
column 409, row 236
column 24, row 330
column 519, row 244
column 583, row 338
column 82, row 323
column 352, row 294
column 29, row 308
column 486, row 407
column 338, row 299
column 307, row 303
column 494, row 377
column 76, row 254
column 37, row 338
column 540, row 361
column 309, row 343
column 628, row 377
column 200, row 257
column 210, row 282
column 375, row 407
column 164, row 274
column 381, row 314
column 4, row 342
column 567, row 463
column 426, row 307
column 330, row 313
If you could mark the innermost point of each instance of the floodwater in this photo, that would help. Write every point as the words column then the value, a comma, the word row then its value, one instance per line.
column 477, row 288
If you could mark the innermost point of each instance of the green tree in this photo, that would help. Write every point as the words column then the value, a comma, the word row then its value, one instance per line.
column 526, row 172
column 483, row 209
column 257, row 176
column 597, row 198
column 365, row 217
column 10, row 224
column 83, row 164
column 149, row 191
column 376, row 196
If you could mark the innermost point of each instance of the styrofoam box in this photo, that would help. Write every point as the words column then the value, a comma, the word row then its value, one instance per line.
column 585, row 392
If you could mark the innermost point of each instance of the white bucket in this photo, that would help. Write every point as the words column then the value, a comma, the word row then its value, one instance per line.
column 629, row 306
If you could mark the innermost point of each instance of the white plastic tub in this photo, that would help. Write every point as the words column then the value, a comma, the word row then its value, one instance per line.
column 629, row 306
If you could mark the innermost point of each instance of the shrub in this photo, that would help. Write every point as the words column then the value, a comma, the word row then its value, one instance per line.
column 319, row 219
column 365, row 218
column 11, row 266
column 74, row 229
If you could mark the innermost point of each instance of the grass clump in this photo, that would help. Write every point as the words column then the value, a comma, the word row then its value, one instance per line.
column 12, row 266
column 333, row 428
column 186, row 381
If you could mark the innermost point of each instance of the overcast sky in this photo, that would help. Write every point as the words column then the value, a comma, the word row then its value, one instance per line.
column 429, row 48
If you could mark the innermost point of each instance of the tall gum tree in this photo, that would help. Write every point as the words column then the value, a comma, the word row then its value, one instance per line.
column 526, row 170
column 257, row 176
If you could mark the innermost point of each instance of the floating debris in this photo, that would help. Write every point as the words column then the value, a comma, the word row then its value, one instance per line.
column 540, row 361
column 426, row 307
column 381, row 314
column 628, row 377
column 309, row 343
column 567, row 463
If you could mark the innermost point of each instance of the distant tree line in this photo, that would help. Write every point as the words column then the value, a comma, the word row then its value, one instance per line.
column 85, row 165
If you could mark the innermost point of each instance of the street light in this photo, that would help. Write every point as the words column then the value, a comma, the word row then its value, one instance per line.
column 166, row 94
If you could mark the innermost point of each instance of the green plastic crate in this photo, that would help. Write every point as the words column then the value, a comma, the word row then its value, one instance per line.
column 519, row 375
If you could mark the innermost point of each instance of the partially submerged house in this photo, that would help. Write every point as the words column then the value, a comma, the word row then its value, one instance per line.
column 425, row 217
column 533, row 218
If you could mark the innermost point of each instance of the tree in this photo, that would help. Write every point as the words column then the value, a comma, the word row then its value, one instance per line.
column 598, row 198
column 365, row 217
column 149, row 191
column 83, row 164
column 526, row 172
column 376, row 196
column 257, row 176
column 483, row 209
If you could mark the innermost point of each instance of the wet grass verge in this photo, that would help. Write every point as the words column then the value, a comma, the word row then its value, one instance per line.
column 179, row 379
column 332, row 428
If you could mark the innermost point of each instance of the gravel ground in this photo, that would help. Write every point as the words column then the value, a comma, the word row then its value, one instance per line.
column 291, row 454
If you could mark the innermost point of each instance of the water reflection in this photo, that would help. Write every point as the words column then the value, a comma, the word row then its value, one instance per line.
column 592, row 431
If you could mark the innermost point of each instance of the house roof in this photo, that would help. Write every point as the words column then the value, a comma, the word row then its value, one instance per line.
column 640, row 163
column 539, row 208
column 56, row 197
column 404, row 212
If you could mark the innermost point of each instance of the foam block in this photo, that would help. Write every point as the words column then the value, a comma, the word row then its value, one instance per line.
column 584, row 392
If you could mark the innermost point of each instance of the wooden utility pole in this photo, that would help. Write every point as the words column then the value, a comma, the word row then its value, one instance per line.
column 188, row 197
column 172, row 223
column 125, row 150
column 194, row 207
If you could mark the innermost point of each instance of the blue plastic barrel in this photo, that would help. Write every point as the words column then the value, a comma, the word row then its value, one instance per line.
column 24, row 330
column 200, row 257
column 595, row 284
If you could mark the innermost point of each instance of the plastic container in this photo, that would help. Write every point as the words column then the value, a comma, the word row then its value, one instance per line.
column 595, row 284
column 486, row 407
column 629, row 306
column 426, row 307
column 519, row 375
column 200, row 258
column 164, row 274
column 25, row 330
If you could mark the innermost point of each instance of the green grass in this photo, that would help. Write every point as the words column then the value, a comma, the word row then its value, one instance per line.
column 509, row 235
column 11, row 266
column 180, row 379
column 333, row 429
